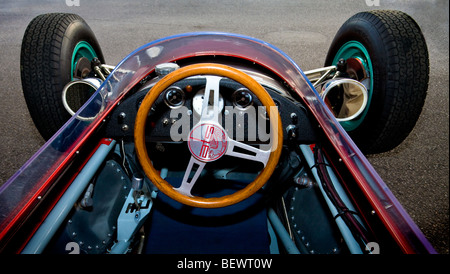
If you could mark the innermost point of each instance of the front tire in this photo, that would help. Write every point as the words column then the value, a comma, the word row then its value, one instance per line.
column 51, row 46
column 393, row 50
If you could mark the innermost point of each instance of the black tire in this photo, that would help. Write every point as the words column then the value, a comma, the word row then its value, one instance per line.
column 46, row 63
column 399, row 56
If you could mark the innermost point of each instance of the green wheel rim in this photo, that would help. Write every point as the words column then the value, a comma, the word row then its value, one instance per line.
column 82, row 49
column 354, row 49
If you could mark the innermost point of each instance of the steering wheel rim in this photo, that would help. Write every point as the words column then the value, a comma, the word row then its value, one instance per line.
column 216, row 70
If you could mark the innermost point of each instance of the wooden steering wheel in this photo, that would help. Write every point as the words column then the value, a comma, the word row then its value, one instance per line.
column 207, row 140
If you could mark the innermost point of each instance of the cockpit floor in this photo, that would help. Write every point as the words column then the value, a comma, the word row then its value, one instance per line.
column 174, row 228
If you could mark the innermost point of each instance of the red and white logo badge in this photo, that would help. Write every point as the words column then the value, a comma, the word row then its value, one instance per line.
column 207, row 142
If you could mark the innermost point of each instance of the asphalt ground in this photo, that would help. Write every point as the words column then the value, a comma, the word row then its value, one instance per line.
column 417, row 171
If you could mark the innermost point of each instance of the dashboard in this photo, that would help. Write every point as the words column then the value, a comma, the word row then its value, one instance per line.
column 241, row 114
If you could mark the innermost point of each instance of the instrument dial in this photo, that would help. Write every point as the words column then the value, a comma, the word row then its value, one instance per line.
column 174, row 97
column 242, row 98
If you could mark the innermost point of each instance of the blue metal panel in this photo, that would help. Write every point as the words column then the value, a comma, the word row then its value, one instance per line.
column 51, row 224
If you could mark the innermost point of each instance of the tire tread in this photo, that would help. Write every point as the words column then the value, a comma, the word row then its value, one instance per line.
column 393, row 115
column 41, row 68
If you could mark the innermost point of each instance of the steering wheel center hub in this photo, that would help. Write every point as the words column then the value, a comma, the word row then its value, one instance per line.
column 207, row 142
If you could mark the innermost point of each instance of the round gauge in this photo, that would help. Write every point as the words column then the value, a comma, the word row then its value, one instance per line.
column 174, row 97
column 197, row 103
column 242, row 98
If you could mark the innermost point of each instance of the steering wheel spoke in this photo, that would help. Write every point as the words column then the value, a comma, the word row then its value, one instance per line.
column 244, row 151
column 188, row 183
column 210, row 107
